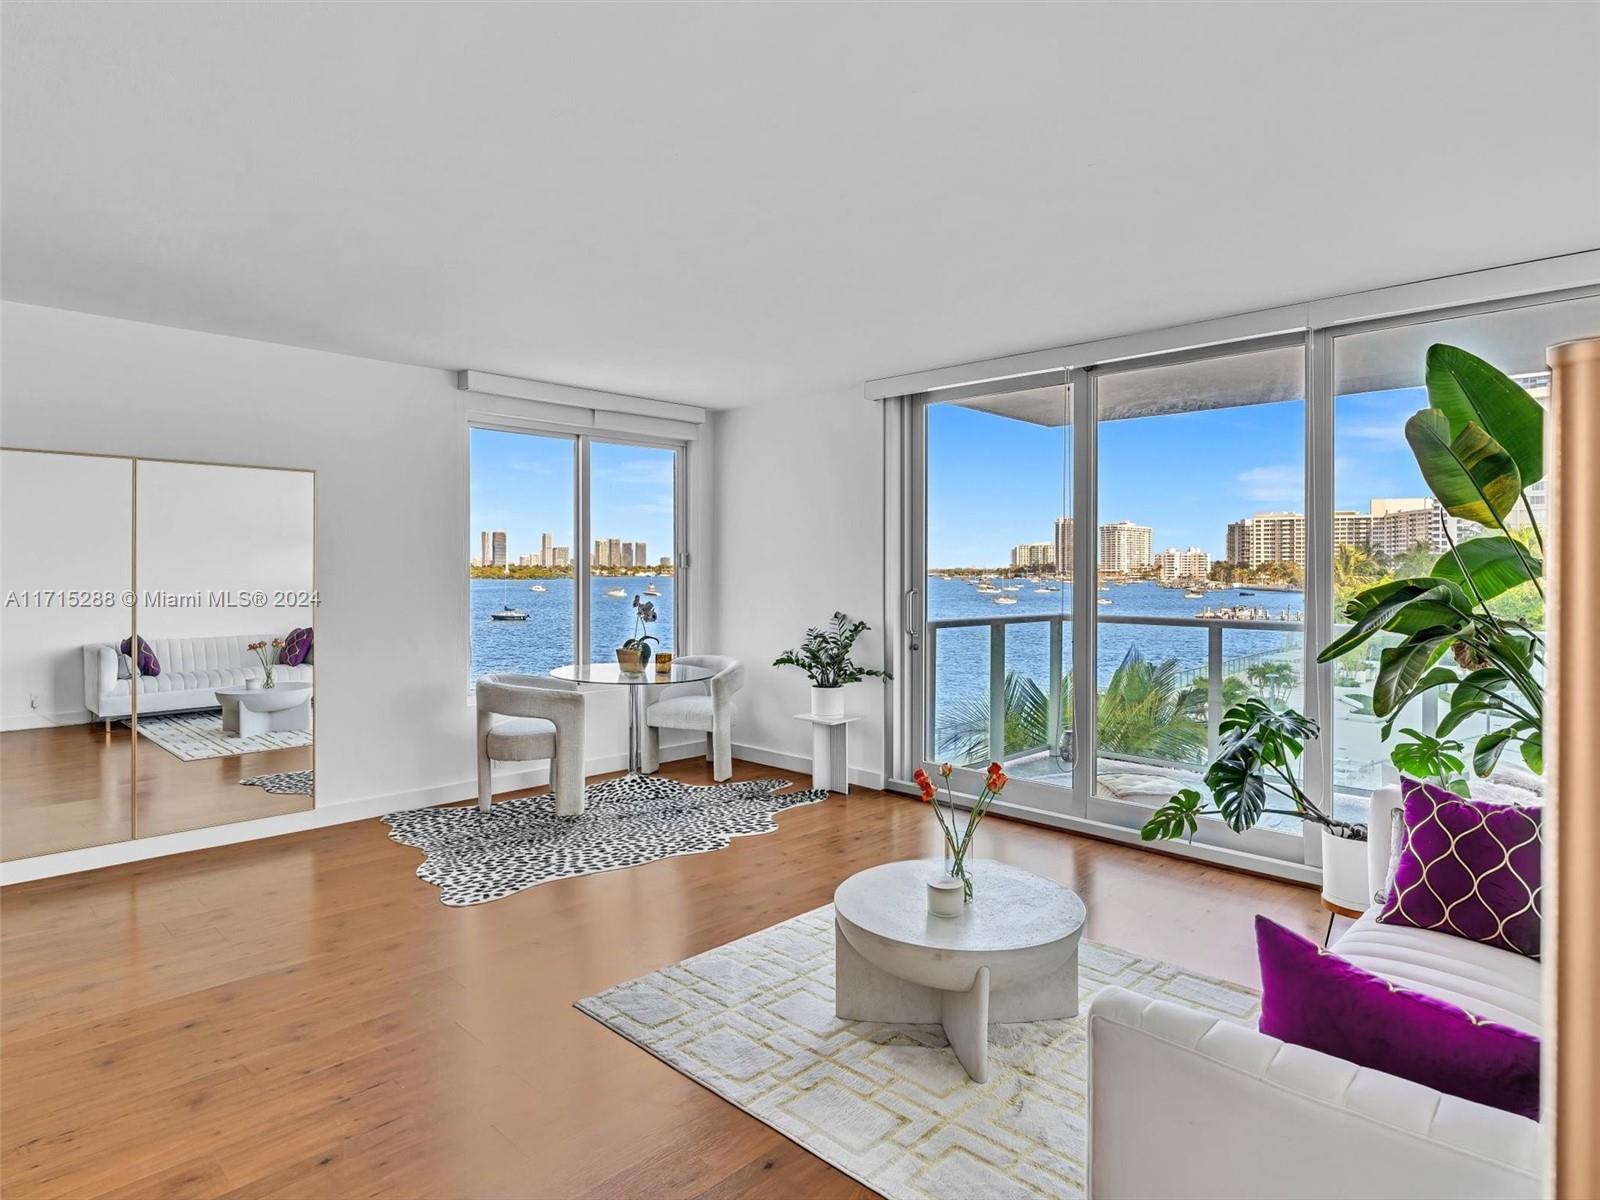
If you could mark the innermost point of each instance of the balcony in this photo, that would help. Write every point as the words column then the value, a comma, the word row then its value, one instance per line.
column 1164, row 682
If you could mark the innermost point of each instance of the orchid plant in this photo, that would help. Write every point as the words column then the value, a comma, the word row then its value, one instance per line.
column 959, row 845
column 644, row 616
column 260, row 649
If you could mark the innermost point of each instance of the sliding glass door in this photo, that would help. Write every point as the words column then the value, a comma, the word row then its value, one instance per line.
column 1200, row 547
column 997, row 639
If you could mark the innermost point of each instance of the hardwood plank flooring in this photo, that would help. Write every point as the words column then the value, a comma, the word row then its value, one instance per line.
column 301, row 1018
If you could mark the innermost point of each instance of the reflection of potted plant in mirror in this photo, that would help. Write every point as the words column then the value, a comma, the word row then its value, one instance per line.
column 825, row 657
column 261, row 649
column 634, row 653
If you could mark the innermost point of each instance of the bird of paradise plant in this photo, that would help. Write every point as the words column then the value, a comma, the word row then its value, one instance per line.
column 958, row 845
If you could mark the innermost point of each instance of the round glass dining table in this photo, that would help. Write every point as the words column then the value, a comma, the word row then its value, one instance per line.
column 637, row 682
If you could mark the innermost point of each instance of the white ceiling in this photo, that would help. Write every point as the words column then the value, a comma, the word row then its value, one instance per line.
column 732, row 204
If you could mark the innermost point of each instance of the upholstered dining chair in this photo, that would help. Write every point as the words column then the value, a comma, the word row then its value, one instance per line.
column 705, row 707
column 524, row 718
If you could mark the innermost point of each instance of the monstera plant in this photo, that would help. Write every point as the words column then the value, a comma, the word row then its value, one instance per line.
column 1480, row 446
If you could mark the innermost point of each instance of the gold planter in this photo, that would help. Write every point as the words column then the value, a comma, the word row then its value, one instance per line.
column 631, row 661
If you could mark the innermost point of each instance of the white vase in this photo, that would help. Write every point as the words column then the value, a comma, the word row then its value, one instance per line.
column 946, row 897
column 827, row 702
column 1344, row 872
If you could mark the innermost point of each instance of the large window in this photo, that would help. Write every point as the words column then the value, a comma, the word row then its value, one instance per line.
column 999, row 581
column 1386, row 523
column 537, row 583
column 1155, row 535
column 1201, row 549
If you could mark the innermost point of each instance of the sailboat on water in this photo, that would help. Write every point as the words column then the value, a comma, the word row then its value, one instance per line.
column 506, row 612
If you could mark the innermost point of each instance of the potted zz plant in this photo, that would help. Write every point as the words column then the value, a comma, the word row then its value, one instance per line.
column 634, row 653
column 825, row 657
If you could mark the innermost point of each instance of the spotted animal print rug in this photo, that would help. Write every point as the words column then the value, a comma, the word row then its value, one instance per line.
column 475, row 856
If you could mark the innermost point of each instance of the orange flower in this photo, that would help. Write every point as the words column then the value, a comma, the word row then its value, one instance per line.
column 927, row 790
column 994, row 769
column 997, row 782
column 945, row 769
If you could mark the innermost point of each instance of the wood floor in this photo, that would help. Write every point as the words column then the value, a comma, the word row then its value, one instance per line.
column 302, row 1018
column 75, row 785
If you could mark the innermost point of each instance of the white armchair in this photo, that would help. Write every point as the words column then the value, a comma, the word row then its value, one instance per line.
column 545, row 722
column 706, row 708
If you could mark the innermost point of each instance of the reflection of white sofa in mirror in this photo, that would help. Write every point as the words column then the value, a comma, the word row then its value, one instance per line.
column 192, row 669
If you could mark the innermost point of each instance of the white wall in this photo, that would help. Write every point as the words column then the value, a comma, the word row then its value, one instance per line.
column 66, row 524
column 800, row 534
column 389, row 445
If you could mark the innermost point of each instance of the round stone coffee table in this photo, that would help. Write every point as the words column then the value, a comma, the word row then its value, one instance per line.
column 1012, row 956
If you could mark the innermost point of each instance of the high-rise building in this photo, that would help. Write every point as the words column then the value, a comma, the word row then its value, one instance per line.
column 641, row 555
column 1267, row 538
column 485, row 549
column 526, row 560
column 1064, row 547
column 1125, row 548
column 1391, row 527
column 666, row 561
column 627, row 555
column 1400, row 525
column 546, row 551
column 602, row 553
column 498, row 548
column 1034, row 556
column 614, row 552
column 561, row 556
column 1172, row 564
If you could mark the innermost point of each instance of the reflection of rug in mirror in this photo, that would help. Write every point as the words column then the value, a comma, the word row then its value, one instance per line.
column 283, row 783
column 889, row 1105
column 196, row 735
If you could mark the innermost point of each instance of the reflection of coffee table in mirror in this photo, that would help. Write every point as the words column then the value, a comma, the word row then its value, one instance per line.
column 1011, row 956
column 249, row 711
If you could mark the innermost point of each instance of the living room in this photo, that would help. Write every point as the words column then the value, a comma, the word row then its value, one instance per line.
column 629, row 600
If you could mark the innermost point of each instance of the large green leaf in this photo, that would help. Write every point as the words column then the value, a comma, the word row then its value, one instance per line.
column 1495, row 565
column 1471, row 474
column 1466, row 389
column 1400, row 668
column 1401, row 606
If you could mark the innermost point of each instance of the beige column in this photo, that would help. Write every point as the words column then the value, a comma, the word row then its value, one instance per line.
column 1574, row 725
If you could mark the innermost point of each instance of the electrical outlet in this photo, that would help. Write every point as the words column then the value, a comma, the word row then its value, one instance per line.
column 33, row 702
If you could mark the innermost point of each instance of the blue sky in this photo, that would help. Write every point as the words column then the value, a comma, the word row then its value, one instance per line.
column 995, row 482
column 522, row 483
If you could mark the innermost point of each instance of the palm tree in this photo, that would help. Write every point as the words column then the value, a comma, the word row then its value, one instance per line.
column 1354, row 568
column 1148, row 709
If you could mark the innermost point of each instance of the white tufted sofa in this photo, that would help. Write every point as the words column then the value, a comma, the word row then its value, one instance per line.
column 192, row 669
column 1182, row 1104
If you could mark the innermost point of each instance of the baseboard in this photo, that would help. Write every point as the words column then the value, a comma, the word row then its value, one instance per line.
column 801, row 764
column 90, row 858
column 34, row 719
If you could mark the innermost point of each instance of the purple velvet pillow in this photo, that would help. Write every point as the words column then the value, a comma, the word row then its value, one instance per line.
column 1469, row 868
column 295, row 647
column 149, row 664
column 1318, row 1000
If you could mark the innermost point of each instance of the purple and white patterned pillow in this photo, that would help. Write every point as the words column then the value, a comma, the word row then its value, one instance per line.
column 149, row 664
column 296, row 647
column 1469, row 868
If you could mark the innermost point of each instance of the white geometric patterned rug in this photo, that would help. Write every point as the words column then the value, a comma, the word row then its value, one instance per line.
column 888, row 1105
column 196, row 735
column 475, row 856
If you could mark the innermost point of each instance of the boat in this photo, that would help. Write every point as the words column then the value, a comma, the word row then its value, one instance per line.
column 986, row 587
column 1102, row 600
column 508, row 614
column 1194, row 593
column 1043, row 591
column 1005, row 599
column 616, row 592
column 538, row 587
column 1012, row 587
column 1247, row 593
column 652, row 590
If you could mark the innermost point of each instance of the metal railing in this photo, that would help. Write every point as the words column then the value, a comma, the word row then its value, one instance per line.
column 1217, row 668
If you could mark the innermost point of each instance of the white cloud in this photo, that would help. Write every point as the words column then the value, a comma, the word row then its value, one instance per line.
column 1274, row 485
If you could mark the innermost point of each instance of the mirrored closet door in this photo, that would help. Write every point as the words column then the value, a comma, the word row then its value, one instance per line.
column 66, row 575
column 159, row 648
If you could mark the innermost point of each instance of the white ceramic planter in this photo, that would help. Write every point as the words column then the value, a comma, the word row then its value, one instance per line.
column 1344, row 873
column 827, row 702
column 947, row 896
